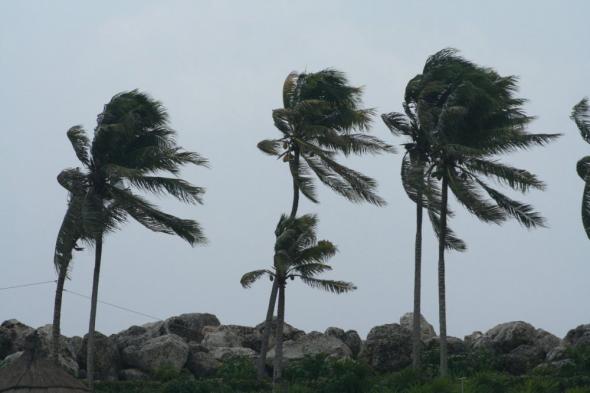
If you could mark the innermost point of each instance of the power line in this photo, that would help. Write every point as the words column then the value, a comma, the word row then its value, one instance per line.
column 115, row 306
column 28, row 285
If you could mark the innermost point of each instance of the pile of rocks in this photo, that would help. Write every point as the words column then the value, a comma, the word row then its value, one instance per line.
column 200, row 344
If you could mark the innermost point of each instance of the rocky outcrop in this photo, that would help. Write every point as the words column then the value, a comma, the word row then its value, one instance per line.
column 167, row 351
column 313, row 343
column 107, row 361
column 388, row 348
column 199, row 344
column 351, row 338
column 580, row 336
column 519, row 345
column 426, row 329
column 289, row 332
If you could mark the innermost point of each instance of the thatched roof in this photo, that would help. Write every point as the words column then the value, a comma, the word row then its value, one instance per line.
column 35, row 373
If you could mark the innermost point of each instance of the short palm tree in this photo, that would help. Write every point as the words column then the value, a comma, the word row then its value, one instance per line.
column 472, row 116
column 425, row 193
column 133, row 144
column 321, row 117
column 581, row 116
column 298, row 254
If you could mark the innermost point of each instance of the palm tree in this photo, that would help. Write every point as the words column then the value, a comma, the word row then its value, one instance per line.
column 321, row 117
column 472, row 116
column 132, row 145
column 581, row 116
column 425, row 193
column 298, row 254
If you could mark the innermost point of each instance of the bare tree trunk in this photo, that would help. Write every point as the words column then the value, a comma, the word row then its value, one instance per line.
column 417, row 336
column 93, row 304
column 294, row 166
column 56, row 329
column 278, row 361
column 442, row 305
column 267, row 330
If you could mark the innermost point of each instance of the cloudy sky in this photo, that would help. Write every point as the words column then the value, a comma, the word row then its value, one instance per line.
column 218, row 66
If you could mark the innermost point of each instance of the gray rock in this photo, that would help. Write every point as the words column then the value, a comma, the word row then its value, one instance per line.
column 508, row 336
column 68, row 352
column 232, row 336
column 426, row 329
column 200, row 362
column 472, row 338
column 388, row 348
column 546, row 341
column 455, row 346
column 313, row 343
column 580, row 336
column 556, row 354
column 289, row 332
column 225, row 353
column 158, row 352
column 190, row 326
column 351, row 338
column 523, row 359
column 132, row 374
column 14, row 332
column 107, row 360
column 11, row 358
column 137, row 335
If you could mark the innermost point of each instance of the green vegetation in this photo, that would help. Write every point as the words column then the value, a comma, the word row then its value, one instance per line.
column 320, row 374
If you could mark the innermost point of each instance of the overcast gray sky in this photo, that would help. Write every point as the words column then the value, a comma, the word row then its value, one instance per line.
column 218, row 66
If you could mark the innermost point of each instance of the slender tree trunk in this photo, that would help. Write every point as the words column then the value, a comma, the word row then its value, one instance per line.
column 442, row 305
column 56, row 329
column 92, row 324
column 267, row 330
column 294, row 165
column 278, row 361
column 417, row 336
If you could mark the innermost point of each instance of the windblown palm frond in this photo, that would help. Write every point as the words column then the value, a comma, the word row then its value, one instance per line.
column 581, row 116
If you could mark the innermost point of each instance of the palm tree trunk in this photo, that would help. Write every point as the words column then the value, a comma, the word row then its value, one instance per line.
column 417, row 336
column 56, row 329
column 442, row 305
column 294, row 166
column 278, row 361
column 93, row 304
column 267, row 330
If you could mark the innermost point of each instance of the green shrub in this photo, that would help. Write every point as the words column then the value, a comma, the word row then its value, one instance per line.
column 399, row 382
column 489, row 382
column 240, row 373
column 441, row 385
column 128, row 387
column 186, row 385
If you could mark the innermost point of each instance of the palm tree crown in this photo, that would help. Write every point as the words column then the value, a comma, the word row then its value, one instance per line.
column 581, row 116
column 298, row 254
column 321, row 117
column 132, row 144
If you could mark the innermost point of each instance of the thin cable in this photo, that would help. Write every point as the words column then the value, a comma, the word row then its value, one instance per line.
column 115, row 306
column 28, row 285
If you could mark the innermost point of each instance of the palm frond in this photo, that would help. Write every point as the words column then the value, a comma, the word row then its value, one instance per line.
column 581, row 116
column 272, row 147
column 332, row 286
column 583, row 167
column 251, row 277
column 320, row 252
column 80, row 143
column 311, row 269
column 452, row 242
column 518, row 179
column 304, row 181
column 150, row 217
column 178, row 188
column 468, row 194
column 70, row 232
column 522, row 212
column 398, row 124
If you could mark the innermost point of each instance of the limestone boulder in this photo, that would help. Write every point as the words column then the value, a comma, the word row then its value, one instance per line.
column 107, row 360
column 388, row 348
column 167, row 351
column 426, row 329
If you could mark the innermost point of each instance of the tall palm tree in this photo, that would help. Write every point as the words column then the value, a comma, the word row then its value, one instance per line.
column 425, row 193
column 581, row 116
column 472, row 115
column 132, row 146
column 298, row 254
column 321, row 117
